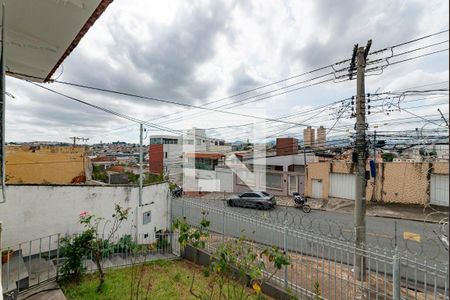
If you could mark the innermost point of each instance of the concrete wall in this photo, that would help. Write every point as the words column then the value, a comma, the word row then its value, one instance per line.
column 402, row 183
column 200, row 180
column 317, row 171
column 226, row 179
column 396, row 182
column 44, row 164
column 440, row 168
column 34, row 211
column 260, row 177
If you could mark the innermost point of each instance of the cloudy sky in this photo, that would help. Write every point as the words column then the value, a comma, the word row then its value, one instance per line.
column 195, row 52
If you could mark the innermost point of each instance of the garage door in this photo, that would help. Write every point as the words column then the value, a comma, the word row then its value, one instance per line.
column 439, row 190
column 343, row 186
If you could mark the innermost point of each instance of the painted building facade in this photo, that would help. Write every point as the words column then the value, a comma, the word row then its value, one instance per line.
column 46, row 164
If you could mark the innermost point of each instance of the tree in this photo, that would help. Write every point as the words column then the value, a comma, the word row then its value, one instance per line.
column 388, row 157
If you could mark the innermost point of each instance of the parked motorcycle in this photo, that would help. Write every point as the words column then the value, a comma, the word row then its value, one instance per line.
column 177, row 192
column 300, row 202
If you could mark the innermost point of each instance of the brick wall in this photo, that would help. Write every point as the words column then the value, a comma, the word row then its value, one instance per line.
column 286, row 146
column 156, row 158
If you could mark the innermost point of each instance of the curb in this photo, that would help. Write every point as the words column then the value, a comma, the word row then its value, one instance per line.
column 406, row 219
column 368, row 215
column 373, row 215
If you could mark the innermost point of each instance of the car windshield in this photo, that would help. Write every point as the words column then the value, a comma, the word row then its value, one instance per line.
column 265, row 194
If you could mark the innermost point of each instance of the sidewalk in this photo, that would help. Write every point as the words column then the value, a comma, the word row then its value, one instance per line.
column 386, row 210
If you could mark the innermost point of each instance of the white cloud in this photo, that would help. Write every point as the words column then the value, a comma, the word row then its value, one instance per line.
column 194, row 52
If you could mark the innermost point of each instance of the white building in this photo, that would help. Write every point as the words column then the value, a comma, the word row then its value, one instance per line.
column 166, row 151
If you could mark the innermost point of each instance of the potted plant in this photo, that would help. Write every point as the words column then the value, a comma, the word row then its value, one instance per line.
column 6, row 255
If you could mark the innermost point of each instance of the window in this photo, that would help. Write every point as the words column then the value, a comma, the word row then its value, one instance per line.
column 165, row 154
column 170, row 141
column 274, row 181
column 265, row 194
column 155, row 141
column 146, row 217
column 250, row 195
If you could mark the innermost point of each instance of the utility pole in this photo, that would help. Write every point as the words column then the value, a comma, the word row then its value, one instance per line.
column 361, row 150
column 374, row 149
column 141, row 129
column 2, row 108
column 304, row 167
column 375, row 164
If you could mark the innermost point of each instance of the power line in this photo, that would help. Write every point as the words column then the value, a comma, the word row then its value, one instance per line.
column 153, row 125
column 245, row 92
column 163, row 128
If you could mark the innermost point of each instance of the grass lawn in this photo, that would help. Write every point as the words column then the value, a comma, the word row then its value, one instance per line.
column 167, row 280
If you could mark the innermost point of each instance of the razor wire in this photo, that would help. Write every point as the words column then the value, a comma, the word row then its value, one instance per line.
column 428, row 244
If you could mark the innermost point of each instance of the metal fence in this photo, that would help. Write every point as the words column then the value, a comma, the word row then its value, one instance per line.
column 322, row 266
column 433, row 245
column 38, row 261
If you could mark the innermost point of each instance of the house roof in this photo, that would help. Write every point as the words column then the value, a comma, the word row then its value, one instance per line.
column 103, row 158
column 118, row 169
column 40, row 34
column 213, row 156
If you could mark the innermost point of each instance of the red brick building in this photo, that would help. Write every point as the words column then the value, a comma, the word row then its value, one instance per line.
column 156, row 158
column 287, row 146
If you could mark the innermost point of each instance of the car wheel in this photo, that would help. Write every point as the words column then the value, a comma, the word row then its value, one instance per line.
column 259, row 206
column 230, row 203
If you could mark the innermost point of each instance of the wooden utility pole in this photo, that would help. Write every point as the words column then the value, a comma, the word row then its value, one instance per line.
column 361, row 150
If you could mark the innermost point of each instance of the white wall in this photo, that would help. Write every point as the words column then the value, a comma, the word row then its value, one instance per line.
column 225, row 177
column 34, row 211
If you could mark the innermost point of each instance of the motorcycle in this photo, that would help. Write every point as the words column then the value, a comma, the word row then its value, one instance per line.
column 177, row 192
column 300, row 202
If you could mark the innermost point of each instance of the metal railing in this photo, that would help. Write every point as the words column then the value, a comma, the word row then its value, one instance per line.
column 433, row 245
column 322, row 266
column 38, row 261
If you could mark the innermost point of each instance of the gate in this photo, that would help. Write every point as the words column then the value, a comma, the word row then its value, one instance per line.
column 317, row 189
column 343, row 186
column 439, row 194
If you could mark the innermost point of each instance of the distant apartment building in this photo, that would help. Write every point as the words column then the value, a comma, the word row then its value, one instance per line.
column 38, row 164
column 166, row 151
column 321, row 137
column 309, row 135
column 195, row 139
column 311, row 140
column 165, row 156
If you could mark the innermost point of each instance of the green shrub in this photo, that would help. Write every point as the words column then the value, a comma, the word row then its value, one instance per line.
column 388, row 157
column 73, row 249
column 162, row 242
column 125, row 243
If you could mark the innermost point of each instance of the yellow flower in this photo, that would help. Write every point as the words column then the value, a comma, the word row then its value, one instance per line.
column 256, row 287
column 218, row 270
